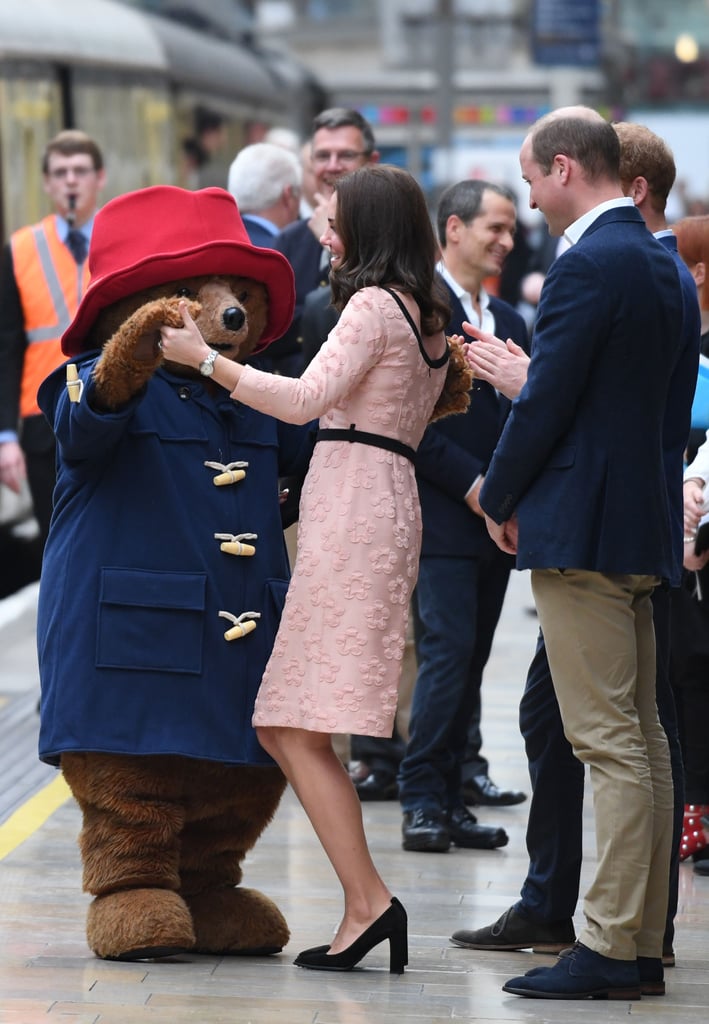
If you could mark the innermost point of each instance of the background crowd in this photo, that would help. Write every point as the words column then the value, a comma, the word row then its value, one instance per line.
column 521, row 293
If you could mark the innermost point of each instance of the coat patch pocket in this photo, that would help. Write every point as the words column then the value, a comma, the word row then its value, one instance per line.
column 562, row 458
column 151, row 620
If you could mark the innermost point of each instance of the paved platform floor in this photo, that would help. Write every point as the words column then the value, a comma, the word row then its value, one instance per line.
column 47, row 973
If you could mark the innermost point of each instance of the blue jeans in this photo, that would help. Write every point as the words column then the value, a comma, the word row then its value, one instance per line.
column 458, row 605
column 554, row 828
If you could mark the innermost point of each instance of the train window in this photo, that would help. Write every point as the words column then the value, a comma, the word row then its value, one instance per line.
column 30, row 114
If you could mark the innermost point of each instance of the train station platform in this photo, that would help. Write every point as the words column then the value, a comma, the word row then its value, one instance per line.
column 48, row 974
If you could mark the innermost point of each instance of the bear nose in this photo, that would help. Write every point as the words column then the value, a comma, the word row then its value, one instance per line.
column 233, row 318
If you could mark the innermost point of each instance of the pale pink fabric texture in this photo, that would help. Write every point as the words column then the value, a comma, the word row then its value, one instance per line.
column 336, row 662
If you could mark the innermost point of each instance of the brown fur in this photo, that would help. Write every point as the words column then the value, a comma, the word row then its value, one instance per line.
column 455, row 396
column 237, row 920
column 139, row 924
column 164, row 838
column 162, row 844
column 129, row 330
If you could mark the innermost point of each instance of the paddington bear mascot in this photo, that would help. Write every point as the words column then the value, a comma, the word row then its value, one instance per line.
column 164, row 576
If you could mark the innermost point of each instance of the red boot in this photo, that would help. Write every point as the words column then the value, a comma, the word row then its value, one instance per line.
column 694, row 836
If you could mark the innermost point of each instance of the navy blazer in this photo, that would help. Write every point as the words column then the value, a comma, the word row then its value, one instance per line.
column 258, row 234
column 581, row 457
column 318, row 319
column 304, row 253
column 455, row 450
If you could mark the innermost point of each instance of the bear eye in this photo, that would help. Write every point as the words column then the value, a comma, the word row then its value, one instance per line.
column 184, row 293
column 242, row 297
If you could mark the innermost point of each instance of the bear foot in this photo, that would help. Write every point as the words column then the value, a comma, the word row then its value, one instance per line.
column 139, row 924
column 238, row 922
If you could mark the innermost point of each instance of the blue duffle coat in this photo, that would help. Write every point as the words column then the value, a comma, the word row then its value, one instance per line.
column 132, row 653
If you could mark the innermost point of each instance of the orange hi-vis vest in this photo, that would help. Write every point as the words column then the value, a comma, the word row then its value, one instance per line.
column 50, row 285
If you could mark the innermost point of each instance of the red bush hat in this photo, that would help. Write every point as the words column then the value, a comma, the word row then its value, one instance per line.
column 164, row 233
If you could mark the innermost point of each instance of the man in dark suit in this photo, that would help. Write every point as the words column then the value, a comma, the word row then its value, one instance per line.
column 264, row 179
column 542, row 918
column 593, row 519
column 342, row 140
column 476, row 223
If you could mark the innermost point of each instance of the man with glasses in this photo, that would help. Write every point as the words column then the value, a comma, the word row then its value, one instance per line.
column 341, row 141
column 43, row 276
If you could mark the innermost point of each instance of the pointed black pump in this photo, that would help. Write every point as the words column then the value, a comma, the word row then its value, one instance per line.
column 392, row 925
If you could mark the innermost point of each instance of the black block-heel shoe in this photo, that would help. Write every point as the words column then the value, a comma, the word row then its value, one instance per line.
column 391, row 925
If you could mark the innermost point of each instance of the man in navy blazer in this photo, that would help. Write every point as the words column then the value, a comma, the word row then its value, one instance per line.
column 542, row 918
column 463, row 575
column 579, row 489
column 342, row 140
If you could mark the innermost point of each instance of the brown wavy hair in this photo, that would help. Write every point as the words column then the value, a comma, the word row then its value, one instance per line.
column 387, row 235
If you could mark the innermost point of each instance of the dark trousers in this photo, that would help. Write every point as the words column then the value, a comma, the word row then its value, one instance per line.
column 40, row 456
column 380, row 753
column 689, row 673
column 458, row 605
column 554, row 828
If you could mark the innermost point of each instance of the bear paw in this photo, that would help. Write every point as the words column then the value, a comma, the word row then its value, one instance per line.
column 139, row 924
column 237, row 921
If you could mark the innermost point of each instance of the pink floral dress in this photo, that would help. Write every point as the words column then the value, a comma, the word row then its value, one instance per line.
column 336, row 662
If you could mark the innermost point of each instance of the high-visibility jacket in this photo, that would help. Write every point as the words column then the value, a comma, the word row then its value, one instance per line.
column 50, row 285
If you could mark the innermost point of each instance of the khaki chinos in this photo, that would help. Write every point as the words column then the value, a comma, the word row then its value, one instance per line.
column 600, row 643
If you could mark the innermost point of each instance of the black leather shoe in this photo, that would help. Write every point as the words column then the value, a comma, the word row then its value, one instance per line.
column 481, row 791
column 425, row 832
column 378, row 785
column 513, row 931
column 466, row 832
column 701, row 862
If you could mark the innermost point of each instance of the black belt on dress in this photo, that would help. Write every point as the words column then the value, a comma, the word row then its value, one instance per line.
column 363, row 437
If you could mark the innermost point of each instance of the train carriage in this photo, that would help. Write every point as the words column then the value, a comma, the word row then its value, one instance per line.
column 142, row 86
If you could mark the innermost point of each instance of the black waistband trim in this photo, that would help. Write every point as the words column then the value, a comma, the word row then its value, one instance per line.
column 363, row 437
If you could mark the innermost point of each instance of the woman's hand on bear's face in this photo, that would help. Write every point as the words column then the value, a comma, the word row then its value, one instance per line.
column 184, row 344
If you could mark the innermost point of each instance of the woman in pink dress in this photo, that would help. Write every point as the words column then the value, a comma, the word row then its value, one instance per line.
column 375, row 385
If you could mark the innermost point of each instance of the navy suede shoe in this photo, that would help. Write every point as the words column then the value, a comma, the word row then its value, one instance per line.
column 650, row 970
column 582, row 974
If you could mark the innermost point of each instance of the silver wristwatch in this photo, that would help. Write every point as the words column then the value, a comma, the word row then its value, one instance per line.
column 206, row 367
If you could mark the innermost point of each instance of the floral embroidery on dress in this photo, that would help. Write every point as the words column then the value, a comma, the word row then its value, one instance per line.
column 356, row 586
column 337, row 659
column 377, row 615
column 383, row 560
column 374, row 673
column 361, row 531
